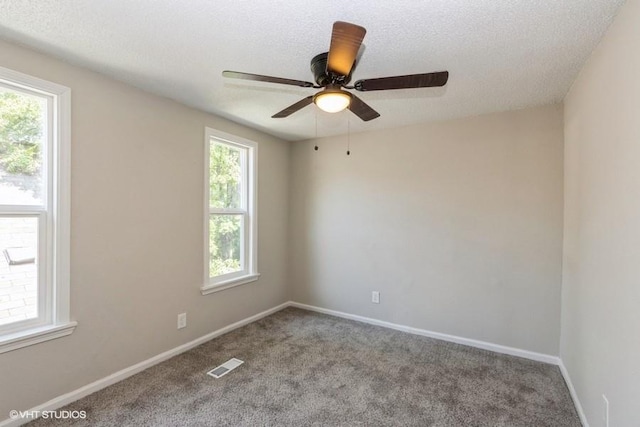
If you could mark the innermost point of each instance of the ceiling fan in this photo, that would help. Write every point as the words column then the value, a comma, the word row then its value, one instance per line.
column 332, row 71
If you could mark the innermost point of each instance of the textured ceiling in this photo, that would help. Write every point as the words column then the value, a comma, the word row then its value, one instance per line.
column 501, row 54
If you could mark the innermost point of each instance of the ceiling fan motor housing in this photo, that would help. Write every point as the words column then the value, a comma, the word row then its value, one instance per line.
column 322, row 77
column 319, row 69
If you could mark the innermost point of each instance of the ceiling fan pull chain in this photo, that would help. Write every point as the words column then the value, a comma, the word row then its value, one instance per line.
column 348, row 137
column 316, row 147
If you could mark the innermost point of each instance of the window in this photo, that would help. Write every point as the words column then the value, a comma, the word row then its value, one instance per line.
column 34, row 210
column 230, row 216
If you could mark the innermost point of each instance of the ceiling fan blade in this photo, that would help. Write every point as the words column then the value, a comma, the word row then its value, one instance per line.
column 293, row 108
column 362, row 110
column 269, row 79
column 345, row 43
column 403, row 82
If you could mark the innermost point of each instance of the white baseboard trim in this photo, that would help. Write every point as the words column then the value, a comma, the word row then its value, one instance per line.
column 539, row 357
column 86, row 390
column 574, row 395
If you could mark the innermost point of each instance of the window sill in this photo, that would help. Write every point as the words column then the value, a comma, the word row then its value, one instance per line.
column 221, row 286
column 34, row 336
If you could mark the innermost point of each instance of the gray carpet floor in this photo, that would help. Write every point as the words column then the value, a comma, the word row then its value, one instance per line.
column 308, row 369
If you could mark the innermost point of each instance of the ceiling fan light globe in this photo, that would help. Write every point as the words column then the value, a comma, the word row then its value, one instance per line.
column 332, row 102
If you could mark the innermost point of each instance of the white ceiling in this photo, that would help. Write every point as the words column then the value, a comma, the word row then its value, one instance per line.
column 501, row 54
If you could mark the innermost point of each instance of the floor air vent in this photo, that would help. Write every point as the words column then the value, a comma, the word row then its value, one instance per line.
column 225, row 368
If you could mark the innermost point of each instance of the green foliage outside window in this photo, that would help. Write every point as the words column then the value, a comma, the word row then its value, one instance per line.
column 225, row 192
column 20, row 133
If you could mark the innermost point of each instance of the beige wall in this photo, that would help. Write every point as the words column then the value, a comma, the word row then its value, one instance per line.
column 600, row 342
column 136, row 234
column 458, row 225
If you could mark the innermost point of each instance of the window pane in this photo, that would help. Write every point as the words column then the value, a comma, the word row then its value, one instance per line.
column 225, row 176
column 225, row 242
column 22, row 135
column 18, row 269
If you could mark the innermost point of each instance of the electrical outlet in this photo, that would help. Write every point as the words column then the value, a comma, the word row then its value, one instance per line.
column 605, row 415
column 182, row 320
column 375, row 297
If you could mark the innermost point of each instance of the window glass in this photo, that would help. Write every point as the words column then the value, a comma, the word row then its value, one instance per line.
column 225, row 244
column 18, row 269
column 23, row 119
column 225, row 176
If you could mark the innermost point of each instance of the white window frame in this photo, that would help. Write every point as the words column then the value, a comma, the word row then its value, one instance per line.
column 53, row 319
column 249, row 192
